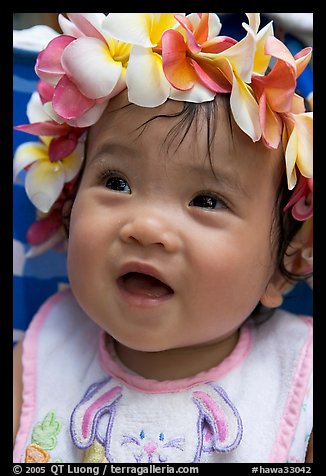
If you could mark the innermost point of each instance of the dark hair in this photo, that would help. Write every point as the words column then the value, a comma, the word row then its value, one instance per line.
column 284, row 226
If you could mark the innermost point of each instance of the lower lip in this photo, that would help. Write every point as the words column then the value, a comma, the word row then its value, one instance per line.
column 141, row 300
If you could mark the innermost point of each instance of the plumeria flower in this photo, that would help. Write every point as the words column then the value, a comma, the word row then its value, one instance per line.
column 298, row 144
column 181, row 49
column 85, row 70
column 48, row 230
column 191, row 77
column 178, row 52
column 275, row 90
column 64, row 137
column 144, row 31
column 301, row 199
column 220, row 63
column 45, row 177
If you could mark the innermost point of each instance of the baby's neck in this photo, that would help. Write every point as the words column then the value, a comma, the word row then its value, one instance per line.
column 178, row 363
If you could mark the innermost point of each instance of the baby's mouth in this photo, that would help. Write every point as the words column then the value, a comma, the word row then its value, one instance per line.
column 140, row 284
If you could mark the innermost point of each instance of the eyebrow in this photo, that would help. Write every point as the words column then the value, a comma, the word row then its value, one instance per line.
column 109, row 148
column 228, row 181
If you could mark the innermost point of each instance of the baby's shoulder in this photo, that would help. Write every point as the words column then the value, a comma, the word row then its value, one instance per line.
column 284, row 335
column 283, row 323
column 60, row 318
column 61, row 305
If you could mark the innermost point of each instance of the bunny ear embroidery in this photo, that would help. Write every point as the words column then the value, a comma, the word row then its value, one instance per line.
column 98, row 400
column 221, row 423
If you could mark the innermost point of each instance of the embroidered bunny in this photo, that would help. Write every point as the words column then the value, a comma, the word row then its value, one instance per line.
column 151, row 450
column 138, row 427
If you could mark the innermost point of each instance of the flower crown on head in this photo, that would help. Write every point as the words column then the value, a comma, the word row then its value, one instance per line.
column 158, row 56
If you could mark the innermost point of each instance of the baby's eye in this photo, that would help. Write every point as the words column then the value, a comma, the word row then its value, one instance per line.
column 211, row 202
column 118, row 184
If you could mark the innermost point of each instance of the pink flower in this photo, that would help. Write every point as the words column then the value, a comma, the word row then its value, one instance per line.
column 183, row 63
column 85, row 70
column 275, row 90
column 301, row 199
column 48, row 231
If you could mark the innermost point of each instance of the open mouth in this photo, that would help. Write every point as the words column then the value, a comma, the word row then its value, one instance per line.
column 144, row 285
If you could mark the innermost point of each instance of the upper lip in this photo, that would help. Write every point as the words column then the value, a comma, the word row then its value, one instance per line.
column 143, row 268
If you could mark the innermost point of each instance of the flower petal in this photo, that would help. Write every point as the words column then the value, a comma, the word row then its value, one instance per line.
column 245, row 109
column 27, row 153
column 35, row 111
column 88, row 23
column 278, row 85
column 199, row 93
column 189, row 35
column 48, row 63
column 254, row 21
column 302, row 59
column 201, row 26
column 41, row 230
column 48, row 108
column 61, row 147
column 150, row 89
column 262, row 59
column 271, row 124
column 214, row 25
column 298, row 105
column 43, row 129
column 161, row 23
column 218, row 44
column 304, row 126
column 140, row 29
column 277, row 48
column 176, row 65
column 132, row 28
column 45, row 91
column 240, row 56
column 290, row 159
column 44, row 183
column 68, row 101
column 49, row 244
column 68, row 27
column 301, row 211
column 89, row 117
column 73, row 162
column 212, row 77
column 90, row 66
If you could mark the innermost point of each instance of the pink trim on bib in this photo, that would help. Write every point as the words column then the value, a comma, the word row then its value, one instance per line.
column 296, row 395
column 113, row 366
column 29, row 363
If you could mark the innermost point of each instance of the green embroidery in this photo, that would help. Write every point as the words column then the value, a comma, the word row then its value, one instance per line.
column 45, row 433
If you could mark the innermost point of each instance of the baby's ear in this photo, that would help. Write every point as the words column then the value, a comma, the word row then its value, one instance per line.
column 298, row 260
column 273, row 294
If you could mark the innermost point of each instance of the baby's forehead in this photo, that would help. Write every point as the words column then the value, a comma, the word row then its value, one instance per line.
column 172, row 125
column 206, row 129
column 202, row 142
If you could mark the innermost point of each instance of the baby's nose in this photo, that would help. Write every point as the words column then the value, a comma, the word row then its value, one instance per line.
column 150, row 448
column 151, row 230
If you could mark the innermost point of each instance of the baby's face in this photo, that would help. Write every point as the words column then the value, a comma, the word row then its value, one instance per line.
column 164, row 253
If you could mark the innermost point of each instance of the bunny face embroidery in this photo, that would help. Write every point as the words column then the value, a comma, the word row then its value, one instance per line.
column 152, row 449
column 136, row 427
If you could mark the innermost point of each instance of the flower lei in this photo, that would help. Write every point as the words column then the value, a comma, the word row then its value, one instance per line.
column 158, row 56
